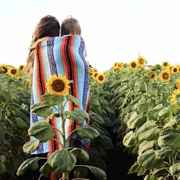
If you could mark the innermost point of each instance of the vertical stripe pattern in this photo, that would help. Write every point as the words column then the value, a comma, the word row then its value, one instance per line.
column 61, row 56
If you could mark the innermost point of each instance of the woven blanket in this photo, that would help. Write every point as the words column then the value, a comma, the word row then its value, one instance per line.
column 61, row 56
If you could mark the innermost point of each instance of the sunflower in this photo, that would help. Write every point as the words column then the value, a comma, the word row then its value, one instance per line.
column 94, row 74
column 115, row 66
column 120, row 66
column 152, row 75
column 21, row 67
column 165, row 64
column 175, row 97
column 100, row 78
column 165, row 75
column 174, row 69
column 3, row 69
column 177, row 83
column 58, row 85
column 133, row 65
column 140, row 61
column 12, row 71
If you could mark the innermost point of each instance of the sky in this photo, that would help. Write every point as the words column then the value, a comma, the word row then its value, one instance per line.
column 113, row 30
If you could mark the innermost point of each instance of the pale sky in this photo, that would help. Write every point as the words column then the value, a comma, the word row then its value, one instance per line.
column 113, row 30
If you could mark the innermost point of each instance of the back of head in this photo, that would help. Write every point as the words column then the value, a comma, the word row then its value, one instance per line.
column 70, row 26
column 47, row 26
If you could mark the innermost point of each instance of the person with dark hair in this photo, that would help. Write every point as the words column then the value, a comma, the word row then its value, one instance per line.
column 70, row 26
column 48, row 26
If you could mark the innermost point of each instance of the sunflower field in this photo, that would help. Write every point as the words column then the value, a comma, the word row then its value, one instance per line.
column 135, row 108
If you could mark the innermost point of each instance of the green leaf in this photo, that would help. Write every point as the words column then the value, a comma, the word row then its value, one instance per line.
column 163, row 112
column 98, row 173
column 22, row 124
column 175, row 169
column 41, row 130
column 31, row 163
column 80, row 154
column 31, row 145
column 149, row 160
column 52, row 100
column 164, row 152
column 129, row 139
column 43, row 110
column 149, row 134
column 62, row 161
column 73, row 99
column 169, row 138
column 78, row 114
column 88, row 132
column 145, row 145
column 45, row 169
column 3, row 168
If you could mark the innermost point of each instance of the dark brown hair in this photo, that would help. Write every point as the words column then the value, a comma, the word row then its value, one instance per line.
column 70, row 26
column 47, row 26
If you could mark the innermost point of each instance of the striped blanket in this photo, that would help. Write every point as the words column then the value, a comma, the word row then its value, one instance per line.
column 62, row 56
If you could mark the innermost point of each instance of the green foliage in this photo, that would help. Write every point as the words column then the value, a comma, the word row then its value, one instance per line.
column 61, row 161
column 14, row 122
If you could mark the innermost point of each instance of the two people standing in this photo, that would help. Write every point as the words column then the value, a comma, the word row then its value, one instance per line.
column 58, row 50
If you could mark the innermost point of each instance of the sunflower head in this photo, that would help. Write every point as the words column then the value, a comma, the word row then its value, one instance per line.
column 58, row 85
column 165, row 64
column 165, row 75
column 153, row 75
column 140, row 61
column 3, row 69
column 21, row 67
column 133, row 65
column 115, row 66
column 175, row 97
column 174, row 69
column 12, row 71
column 100, row 78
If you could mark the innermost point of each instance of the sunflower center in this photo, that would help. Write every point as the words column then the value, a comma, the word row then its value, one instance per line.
column 141, row 61
column 165, row 64
column 152, row 76
column 165, row 76
column 133, row 64
column 175, row 70
column 101, row 78
column 13, row 71
column 58, row 85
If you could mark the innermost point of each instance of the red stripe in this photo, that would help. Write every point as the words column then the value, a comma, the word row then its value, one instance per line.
column 40, row 73
column 74, row 69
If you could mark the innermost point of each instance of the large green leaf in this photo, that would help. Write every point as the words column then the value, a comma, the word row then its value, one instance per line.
column 46, row 169
column 88, row 132
column 80, row 154
column 148, row 159
column 62, row 160
column 149, row 134
column 31, row 145
column 175, row 169
column 41, row 130
column 98, row 173
column 145, row 145
column 129, row 139
column 73, row 99
column 43, row 110
column 79, row 114
column 52, row 100
column 170, row 139
column 31, row 163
